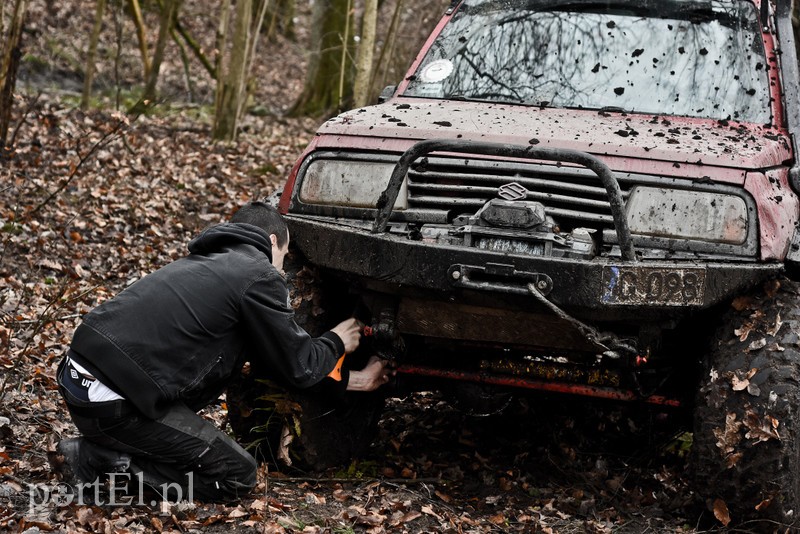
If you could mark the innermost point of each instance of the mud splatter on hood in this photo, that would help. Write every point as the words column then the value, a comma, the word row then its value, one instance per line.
column 670, row 139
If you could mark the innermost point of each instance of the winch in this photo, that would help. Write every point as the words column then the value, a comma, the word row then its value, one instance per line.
column 514, row 225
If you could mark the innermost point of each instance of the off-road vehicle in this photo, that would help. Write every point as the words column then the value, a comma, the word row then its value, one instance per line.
column 589, row 197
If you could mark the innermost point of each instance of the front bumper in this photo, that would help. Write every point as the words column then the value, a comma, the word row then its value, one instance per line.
column 590, row 289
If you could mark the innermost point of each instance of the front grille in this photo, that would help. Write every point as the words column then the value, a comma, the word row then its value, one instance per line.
column 574, row 197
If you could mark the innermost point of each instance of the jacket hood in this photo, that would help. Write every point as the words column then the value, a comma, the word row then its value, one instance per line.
column 220, row 236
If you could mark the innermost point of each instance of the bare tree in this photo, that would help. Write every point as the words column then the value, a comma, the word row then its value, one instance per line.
column 281, row 18
column 232, row 87
column 9, row 63
column 88, row 75
column 381, row 71
column 141, row 35
column 169, row 10
column 329, row 79
column 366, row 51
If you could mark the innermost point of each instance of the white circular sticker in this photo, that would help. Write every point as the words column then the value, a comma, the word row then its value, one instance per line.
column 436, row 71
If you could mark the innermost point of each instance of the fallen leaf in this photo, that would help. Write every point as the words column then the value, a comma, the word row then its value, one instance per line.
column 777, row 326
column 83, row 515
column 427, row 509
column 761, row 428
column 156, row 523
column 408, row 473
column 497, row 519
column 732, row 459
column 742, row 303
column 446, row 498
column 283, row 447
column 729, row 438
column 743, row 331
column 238, row 512
column 411, row 516
column 763, row 504
column 721, row 512
column 50, row 264
column 739, row 384
column 757, row 345
column 371, row 519
column 273, row 528
column 310, row 498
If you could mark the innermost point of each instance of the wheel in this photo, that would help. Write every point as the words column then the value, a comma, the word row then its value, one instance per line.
column 745, row 453
column 308, row 431
column 329, row 435
column 305, row 429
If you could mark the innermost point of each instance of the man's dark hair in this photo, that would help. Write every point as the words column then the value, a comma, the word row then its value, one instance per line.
column 265, row 217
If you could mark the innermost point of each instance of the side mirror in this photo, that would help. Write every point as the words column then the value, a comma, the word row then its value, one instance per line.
column 387, row 93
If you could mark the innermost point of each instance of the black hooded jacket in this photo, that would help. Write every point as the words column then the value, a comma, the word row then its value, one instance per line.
column 180, row 333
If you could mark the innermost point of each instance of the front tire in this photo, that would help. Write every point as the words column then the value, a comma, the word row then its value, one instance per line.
column 747, row 427
column 306, row 429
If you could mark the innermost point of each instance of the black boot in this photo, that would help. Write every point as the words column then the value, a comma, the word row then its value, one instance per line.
column 81, row 462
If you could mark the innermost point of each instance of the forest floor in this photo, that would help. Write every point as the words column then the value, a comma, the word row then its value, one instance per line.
column 92, row 200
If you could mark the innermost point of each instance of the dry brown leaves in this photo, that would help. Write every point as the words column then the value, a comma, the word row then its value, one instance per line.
column 728, row 439
column 761, row 427
column 758, row 322
column 130, row 207
column 721, row 512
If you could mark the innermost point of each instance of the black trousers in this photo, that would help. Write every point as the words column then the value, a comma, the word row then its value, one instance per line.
column 179, row 448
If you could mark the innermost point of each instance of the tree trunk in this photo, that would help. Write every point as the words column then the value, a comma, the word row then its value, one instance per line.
column 232, row 89
column 221, row 40
column 196, row 49
column 366, row 50
column 9, row 64
column 282, row 17
column 88, row 76
column 141, row 35
column 168, row 14
column 387, row 50
column 230, row 86
column 329, row 62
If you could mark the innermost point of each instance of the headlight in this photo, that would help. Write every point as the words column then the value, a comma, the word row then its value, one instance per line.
column 348, row 183
column 680, row 214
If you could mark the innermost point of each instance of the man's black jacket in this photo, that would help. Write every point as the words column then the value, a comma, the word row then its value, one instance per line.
column 180, row 333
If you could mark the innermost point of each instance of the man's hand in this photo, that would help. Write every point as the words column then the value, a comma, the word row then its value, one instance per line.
column 375, row 374
column 349, row 332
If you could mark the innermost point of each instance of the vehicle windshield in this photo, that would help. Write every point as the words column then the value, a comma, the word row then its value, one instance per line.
column 675, row 57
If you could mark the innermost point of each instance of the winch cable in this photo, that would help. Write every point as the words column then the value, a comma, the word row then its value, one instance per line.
column 611, row 344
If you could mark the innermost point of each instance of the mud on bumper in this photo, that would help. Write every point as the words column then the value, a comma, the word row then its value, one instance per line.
column 478, row 307
column 603, row 288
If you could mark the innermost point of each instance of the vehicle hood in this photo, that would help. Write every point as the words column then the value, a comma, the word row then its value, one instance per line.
column 676, row 140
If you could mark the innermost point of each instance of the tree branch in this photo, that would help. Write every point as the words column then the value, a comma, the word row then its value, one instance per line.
column 198, row 51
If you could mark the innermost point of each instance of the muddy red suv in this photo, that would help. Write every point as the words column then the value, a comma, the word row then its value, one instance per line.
column 590, row 197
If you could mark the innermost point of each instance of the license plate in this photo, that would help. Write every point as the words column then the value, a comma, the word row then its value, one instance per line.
column 653, row 285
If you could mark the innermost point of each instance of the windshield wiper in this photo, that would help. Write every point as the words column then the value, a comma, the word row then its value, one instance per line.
column 613, row 109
